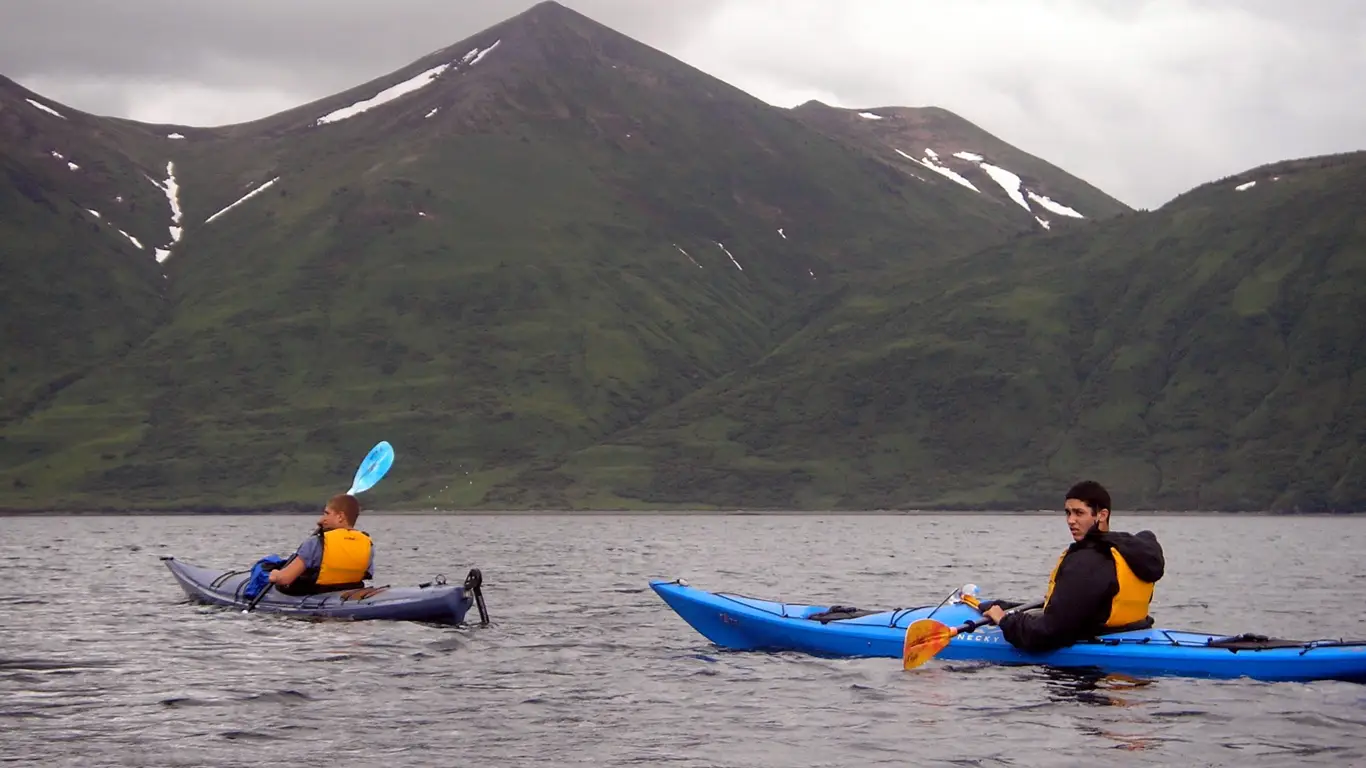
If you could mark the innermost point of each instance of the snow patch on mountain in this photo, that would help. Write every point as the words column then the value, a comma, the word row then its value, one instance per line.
column 732, row 258
column 243, row 199
column 131, row 239
column 172, row 190
column 383, row 97
column 475, row 55
column 415, row 83
column 46, row 108
column 69, row 164
column 1246, row 185
column 1008, row 181
column 175, row 136
column 1054, row 205
column 870, row 116
column 930, row 162
column 1015, row 188
column 685, row 253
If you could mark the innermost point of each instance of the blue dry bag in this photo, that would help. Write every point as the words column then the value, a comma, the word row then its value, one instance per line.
column 260, row 575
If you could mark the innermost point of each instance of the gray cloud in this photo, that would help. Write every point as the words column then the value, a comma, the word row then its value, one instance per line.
column 1144, row 98
column 207, row 63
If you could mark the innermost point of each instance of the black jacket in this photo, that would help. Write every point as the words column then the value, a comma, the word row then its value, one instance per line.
column 1083, row 590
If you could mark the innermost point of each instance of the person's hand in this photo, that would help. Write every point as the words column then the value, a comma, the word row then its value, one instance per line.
column 273, row 575
column 994, row 613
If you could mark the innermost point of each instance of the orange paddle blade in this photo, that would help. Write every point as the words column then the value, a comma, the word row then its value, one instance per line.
column 924, row 638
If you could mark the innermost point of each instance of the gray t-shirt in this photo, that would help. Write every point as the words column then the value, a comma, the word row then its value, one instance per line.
column 311, row 552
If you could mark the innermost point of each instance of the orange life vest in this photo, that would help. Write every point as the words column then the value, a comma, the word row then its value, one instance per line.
column 346, row 556
column 1130, row 604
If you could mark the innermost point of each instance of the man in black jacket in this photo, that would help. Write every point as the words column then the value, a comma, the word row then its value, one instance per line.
column 1102, row 583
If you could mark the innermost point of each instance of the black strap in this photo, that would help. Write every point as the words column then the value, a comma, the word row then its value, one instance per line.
column 839, row 613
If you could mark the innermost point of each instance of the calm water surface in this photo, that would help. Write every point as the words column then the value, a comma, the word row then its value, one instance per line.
column 102, row 662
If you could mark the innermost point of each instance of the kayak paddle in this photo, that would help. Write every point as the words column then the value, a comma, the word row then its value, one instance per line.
column 926, row 637
column 371, row 470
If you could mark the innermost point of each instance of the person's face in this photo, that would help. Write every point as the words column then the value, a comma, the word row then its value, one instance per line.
column 331, row 518
column 1081, row 518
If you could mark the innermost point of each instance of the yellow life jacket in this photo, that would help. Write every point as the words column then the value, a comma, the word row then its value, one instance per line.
column 1130, row 604
column 346, row 555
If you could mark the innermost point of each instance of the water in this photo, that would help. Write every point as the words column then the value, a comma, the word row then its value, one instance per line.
column 103, row 663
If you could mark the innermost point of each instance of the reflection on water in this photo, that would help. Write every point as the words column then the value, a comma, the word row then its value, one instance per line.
column 1092, row 686
column 1132, row 731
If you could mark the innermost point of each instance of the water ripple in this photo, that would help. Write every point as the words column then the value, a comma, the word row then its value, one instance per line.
column 103, row 662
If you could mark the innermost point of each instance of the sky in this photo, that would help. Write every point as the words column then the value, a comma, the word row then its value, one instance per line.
column 1142, row 98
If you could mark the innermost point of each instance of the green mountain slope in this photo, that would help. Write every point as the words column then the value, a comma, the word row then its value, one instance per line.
column 79, row 283
column 1208, row 355
column 552, row 233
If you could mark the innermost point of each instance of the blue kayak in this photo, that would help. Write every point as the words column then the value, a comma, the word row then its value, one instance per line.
column 752, row 624
column 432, row 603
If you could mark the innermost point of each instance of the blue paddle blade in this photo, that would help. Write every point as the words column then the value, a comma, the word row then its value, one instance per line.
column 376, row 463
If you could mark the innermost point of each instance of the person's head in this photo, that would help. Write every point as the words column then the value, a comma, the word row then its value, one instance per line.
column 1088, row 506
column 341, row 512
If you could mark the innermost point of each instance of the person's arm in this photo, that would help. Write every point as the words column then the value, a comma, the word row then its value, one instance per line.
column 1081, row 589
column 289, row 573
column 309, row 555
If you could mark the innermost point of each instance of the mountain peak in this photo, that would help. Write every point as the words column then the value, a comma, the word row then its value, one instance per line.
column 546, row 59
column 546, row 28
column 549, row 11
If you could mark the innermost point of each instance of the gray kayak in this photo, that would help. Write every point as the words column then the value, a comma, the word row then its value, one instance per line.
column 434, row 602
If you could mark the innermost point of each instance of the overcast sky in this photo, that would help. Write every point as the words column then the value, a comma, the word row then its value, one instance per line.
column 1143, row 98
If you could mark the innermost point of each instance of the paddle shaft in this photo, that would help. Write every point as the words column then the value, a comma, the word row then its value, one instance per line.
column 972, row 625
column 926, row 637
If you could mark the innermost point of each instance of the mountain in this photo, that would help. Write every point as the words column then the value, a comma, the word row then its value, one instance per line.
column 560, row 269
column 933, row 144
column 507, row 251
column 78, row 280
column 1207, row 355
